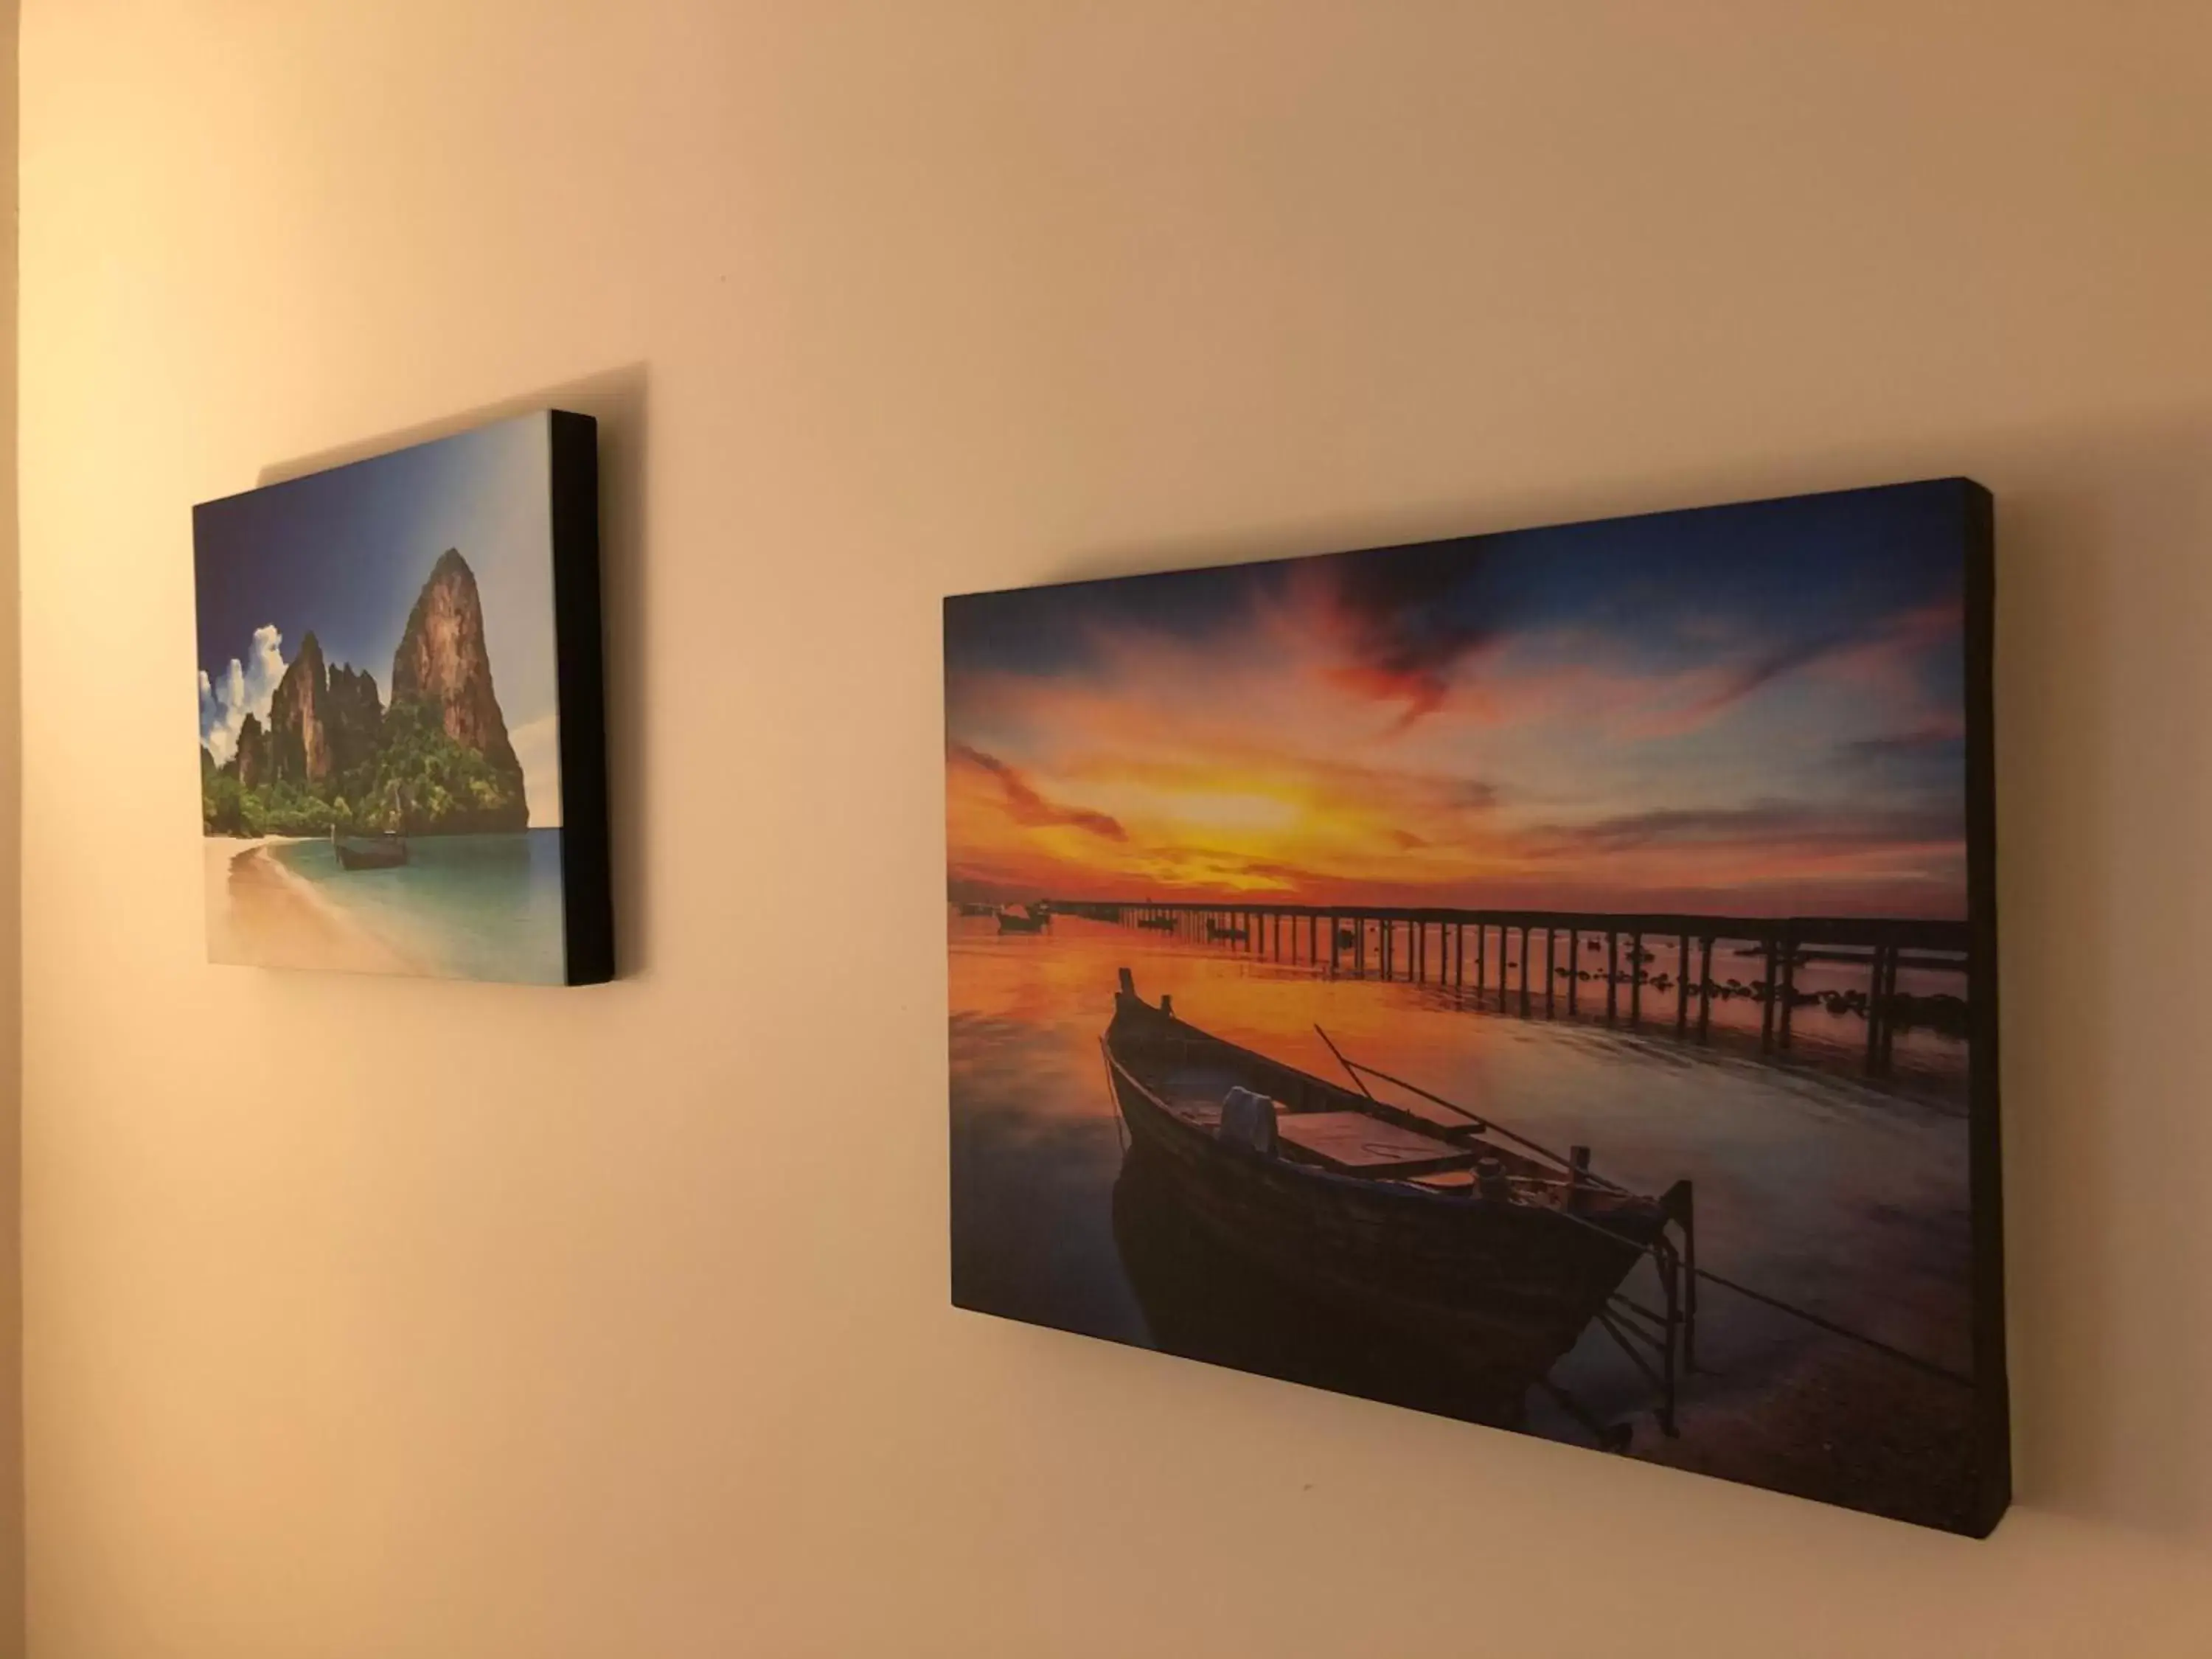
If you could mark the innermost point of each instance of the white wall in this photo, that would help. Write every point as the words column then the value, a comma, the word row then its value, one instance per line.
column 370, row 1318
column 11, row 1346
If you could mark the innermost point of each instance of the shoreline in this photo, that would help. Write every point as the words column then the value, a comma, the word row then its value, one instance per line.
column 260, row 914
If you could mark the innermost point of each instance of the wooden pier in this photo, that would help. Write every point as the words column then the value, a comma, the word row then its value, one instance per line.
column 1489, row 951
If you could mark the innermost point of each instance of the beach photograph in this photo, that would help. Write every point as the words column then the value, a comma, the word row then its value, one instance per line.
column 1544, row 979
column 378, row 711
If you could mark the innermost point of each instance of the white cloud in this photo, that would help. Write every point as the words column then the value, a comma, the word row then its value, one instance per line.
column 243, row 689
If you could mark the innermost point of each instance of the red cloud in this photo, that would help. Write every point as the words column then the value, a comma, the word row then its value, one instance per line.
column 1026, row 806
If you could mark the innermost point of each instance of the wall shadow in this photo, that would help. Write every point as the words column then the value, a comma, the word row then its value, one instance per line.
column 617, row 399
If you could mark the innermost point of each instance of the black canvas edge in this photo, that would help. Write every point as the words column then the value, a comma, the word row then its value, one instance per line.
column 587, row 916
column 1985, row 1164
column 1749, row 502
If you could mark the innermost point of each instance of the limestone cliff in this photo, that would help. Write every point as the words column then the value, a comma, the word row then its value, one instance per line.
column 437, row 761
column 251, row 762
column 299, row 739
column 443, row 662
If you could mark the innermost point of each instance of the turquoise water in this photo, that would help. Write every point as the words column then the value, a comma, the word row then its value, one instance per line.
column 468, row 906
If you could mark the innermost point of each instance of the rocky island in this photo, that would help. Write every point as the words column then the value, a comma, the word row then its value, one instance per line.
column 435, row 761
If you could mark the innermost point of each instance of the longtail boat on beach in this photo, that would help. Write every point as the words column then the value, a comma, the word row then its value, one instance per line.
column 381, row 851
column 1443, row 1227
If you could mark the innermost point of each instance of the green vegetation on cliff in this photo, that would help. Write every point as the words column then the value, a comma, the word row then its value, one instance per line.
column 437, row 761
column 417, row 782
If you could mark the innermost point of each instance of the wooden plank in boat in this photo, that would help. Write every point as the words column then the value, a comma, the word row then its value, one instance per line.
column 1446, row 1180
column 1195, row 1094
column 1360, row 1145
column 1444, row 1121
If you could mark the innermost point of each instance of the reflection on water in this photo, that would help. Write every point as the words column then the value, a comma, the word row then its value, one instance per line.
column 1847, row 1197
column 1204, row 1302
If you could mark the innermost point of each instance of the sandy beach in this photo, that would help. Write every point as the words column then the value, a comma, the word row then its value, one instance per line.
column 261, row 915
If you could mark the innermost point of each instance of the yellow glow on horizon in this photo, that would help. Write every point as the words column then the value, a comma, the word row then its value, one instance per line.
column 1238, row 810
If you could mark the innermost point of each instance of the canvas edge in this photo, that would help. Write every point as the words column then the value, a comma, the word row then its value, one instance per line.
column 1992, row 1389
column 1748, row 503
column 586, row 881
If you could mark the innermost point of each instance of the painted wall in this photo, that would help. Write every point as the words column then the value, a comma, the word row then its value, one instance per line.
column 370, row 1318
column 11, row 772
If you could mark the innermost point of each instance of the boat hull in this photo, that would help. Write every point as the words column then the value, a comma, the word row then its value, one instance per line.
column 1509, row 1286
column 371, row 857
column 1205, row 1300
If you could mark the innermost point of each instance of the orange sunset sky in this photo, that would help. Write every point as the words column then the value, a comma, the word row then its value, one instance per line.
column 1750, row 710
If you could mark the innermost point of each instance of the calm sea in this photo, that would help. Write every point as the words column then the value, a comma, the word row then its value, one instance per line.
column 1846, row 1196
column 471, row 907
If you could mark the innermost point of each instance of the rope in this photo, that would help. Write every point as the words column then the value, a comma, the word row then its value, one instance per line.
column 1929, row 1367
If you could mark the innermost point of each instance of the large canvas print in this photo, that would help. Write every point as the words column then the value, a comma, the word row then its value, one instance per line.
column 1546, row 978
column 402, row 768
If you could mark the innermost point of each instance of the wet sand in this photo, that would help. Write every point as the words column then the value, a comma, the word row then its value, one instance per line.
column 1844, row 1425
column 261, row 915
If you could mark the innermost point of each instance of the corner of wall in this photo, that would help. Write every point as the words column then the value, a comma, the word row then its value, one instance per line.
column 11, row 1279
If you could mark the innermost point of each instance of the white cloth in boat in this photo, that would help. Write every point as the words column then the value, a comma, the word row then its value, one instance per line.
column 1247, row 1122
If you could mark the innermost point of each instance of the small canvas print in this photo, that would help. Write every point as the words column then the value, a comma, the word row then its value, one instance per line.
column 401, row 761
column 1546, row 978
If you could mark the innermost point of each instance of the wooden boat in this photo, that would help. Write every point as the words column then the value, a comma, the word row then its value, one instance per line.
column 1436, row 1228
column 1204, row 1301
column 380, row 852
column 1017, row 921
column 970, row 909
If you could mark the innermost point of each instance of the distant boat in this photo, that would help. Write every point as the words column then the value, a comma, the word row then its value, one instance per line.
column 1214, row 930
column 968, row 909
column 1443, row 1230
column 1035, row 920
column 1158, row 924
column 384, row 851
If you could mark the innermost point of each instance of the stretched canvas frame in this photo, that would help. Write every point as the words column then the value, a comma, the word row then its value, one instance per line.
column 1128, row 775
column 447, row 816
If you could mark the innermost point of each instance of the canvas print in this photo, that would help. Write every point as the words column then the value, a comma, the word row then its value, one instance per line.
column 402, row 767
column 1546, row 978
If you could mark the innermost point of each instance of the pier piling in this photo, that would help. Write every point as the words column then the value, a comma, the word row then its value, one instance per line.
column 1766, row 1012
column 1885, row 945
column 1787, row 991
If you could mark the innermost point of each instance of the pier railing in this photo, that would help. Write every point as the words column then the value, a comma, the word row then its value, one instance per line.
column 1396, row 942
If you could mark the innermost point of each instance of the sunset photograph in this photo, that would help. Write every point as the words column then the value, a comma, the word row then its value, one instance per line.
column 1531, row 977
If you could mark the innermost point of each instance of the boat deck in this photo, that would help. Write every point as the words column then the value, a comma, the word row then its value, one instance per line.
column 1358, row 1143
